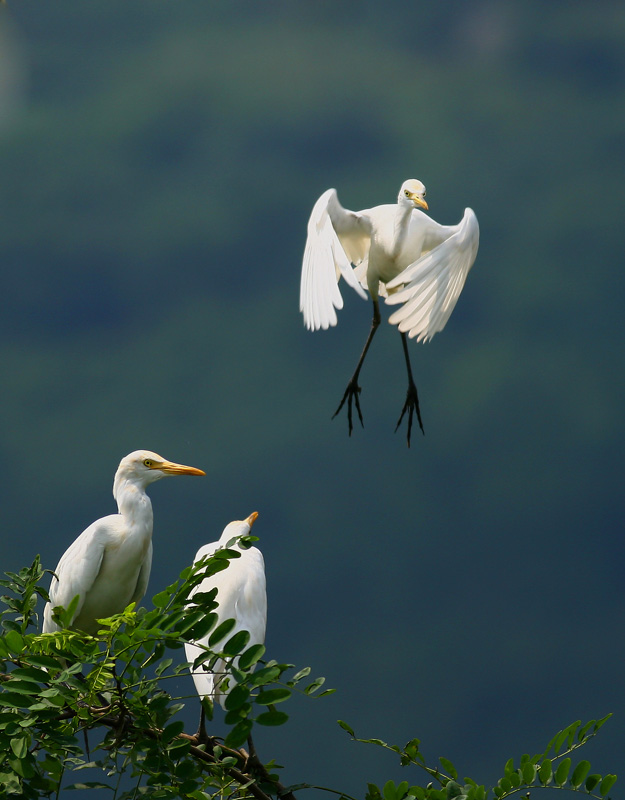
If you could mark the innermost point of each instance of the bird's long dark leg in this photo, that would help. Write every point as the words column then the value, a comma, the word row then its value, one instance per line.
column 353, row 389
column 412, row 398
column 201, row 735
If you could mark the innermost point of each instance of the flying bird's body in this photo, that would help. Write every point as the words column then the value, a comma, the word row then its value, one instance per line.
column 241, row 595
column 397, row 252
column 108, row 565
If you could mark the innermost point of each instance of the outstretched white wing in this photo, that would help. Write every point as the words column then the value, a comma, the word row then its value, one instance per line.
column 336, row 237
column 429, row 287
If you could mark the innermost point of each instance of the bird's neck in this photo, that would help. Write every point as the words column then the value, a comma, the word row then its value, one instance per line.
column 402, row 221
column 134, row 505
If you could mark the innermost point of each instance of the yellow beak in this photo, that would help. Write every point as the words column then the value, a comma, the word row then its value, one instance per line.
column 170, row 468
column 252, row 518
column 419, row 201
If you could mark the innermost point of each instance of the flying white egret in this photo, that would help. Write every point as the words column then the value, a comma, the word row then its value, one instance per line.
column 108, row 565
column 399, row 253
column 241, row 595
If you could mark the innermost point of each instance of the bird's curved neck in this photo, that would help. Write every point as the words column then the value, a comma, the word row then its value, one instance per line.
column 402, row 221
column 133, row 504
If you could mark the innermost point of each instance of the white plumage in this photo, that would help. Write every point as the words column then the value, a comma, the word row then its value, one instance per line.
column 388, row 246
column 108, row 565
column 398, row 253
column 242, row 596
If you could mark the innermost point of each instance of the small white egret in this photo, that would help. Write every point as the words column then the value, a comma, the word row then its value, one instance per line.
column 399, row 253
column 108, row 565
column 241, row 595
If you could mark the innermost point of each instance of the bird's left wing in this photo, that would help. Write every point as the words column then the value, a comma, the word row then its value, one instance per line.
column 336, row 237
column 428, row 289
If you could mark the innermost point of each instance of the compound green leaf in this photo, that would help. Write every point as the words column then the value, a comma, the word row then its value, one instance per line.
column 172, row 730
column 312, row 687
column 14, row 642
column 504, row 784
column 448, row 767
column 602, row 721
column 238, row 735
column 161, row 599
column 529, row 772
column 581, row 734
column 579, row 773
column 545, row 772
column 346, row 727
column 571, row 731
column 23, row 687
column 453, row 789
column 237, row 643
column 592, row 781
column 221, row 631
column 251, row 656
column 388, row 791
column 272, row 718
column 562, row 771
column 558, row 740
column 271, row 696
column 606, row 784
column 237, row 697
column 19, row 745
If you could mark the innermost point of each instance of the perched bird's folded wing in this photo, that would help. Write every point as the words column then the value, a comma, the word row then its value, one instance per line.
column 76, row 572
column 144, row 577
column 336, row 237
column 429, row 288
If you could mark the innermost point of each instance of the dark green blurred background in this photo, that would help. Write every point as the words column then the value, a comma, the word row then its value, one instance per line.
column 158, row 163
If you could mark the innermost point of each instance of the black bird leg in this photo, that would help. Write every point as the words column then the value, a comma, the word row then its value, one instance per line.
column 202, row 736
column 412, row 398
column 353, row 389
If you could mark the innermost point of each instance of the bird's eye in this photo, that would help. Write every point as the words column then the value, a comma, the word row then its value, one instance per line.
column 406, row 192
column 147, row 462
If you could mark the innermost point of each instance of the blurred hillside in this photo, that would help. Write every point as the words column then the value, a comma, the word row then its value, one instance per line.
column 159, row 162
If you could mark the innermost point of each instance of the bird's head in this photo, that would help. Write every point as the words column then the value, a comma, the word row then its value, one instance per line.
column 238, row 528
column 412, row 193
column 143, row 467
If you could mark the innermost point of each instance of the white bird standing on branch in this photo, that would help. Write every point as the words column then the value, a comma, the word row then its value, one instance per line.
column 398, row 252
column 108, row 565
column 241, row 595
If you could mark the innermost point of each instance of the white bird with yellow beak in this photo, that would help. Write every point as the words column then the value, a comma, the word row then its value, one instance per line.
column 399, row 253
column 108, row 565
column 241, row 596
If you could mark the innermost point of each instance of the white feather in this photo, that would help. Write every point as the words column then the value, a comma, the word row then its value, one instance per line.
column 242, row 596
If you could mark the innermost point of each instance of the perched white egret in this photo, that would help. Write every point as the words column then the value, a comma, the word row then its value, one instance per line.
column 241, row 595
column 108, row 565
column 399, row 253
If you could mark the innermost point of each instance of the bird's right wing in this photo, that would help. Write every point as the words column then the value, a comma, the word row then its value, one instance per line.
column 428, row 289
column 336, row 237
column 75, row 573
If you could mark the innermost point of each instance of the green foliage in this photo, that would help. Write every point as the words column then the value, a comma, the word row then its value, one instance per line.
column 538, row 771
column 59, row 690
column 71, row 701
